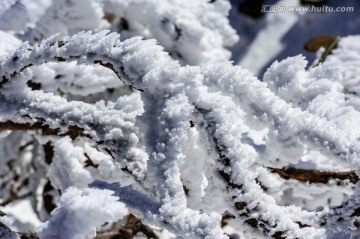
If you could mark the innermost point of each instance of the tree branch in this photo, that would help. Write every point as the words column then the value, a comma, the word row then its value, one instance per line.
column 128, row 231
column 314, row 176
column 73, row 130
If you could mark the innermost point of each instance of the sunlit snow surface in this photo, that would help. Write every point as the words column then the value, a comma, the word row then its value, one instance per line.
column 267, row 47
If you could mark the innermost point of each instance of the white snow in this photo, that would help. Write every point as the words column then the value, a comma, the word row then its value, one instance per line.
column 112, row 107
column 80, row 212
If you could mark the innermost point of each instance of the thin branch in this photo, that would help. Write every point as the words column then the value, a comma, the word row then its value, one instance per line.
column 245, row 211
column 314, row 176
column 14, row 197
column 27, row 235
column 73, row 130
column 132, row 227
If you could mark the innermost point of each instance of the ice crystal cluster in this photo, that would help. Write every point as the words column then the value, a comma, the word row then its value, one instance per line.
column 113, row 110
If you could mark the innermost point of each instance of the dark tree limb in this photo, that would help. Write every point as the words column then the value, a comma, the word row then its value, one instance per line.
column 314, row 176
column 14, row 197
column 244, row 210
column 132, row 227
column 27, row 235
column 73, row 131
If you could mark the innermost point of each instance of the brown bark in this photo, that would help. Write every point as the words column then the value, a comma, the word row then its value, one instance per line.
column 315, row 176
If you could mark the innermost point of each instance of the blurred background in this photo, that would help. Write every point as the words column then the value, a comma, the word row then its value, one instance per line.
column 272, row 30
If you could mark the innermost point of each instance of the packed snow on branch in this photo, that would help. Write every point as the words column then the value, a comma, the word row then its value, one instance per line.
column 126, row 119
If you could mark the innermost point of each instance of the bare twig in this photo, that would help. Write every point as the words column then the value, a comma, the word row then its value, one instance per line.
column 131, row 228
column 314, row 176
column 73, row 130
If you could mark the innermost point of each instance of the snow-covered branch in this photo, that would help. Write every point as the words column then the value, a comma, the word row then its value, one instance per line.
column 189, row 145
column 191, row 31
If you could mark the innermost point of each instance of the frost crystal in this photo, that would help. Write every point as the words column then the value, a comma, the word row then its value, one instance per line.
column 102, row 132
